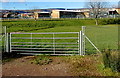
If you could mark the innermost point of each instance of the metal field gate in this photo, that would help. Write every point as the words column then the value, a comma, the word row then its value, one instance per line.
column 53, row 43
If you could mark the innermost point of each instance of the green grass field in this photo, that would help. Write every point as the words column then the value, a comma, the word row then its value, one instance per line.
column 103, row 36
column 58, row 25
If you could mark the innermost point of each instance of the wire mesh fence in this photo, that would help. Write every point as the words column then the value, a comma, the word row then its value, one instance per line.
column 103, row 37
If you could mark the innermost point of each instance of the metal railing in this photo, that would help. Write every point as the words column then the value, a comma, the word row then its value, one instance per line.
column 54, row 43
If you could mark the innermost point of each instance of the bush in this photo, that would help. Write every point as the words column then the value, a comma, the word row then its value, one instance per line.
column 109, row 21
column 41, row 60
column 111, row 60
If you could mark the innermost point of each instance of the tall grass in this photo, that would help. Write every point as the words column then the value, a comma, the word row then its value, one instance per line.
column 111, row 60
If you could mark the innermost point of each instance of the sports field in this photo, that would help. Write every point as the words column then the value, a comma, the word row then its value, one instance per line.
column 103, row 36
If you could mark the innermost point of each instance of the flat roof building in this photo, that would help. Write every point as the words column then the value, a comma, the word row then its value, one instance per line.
column 42, row 14
column 69, row 14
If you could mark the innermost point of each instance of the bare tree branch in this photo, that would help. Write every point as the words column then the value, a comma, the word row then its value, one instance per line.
column 96, row 8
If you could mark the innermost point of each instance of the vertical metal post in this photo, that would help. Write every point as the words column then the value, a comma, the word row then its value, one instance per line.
column 10, row 43
column 5, row 38
column 83, row 38
column 1, row 46
column 5, row 30
column 80, row 43
column 7, row 48
column 114, row 16
column 54, row 43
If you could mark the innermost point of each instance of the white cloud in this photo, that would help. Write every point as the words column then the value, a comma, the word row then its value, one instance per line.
column 21, row 0
column 4, row 1
column 13, row 0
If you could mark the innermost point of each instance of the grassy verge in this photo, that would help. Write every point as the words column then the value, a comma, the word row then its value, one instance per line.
column 92, row 65
column 111, row 61
column 83, row 65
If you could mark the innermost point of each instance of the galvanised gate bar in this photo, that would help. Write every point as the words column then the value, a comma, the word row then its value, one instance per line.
column 53, row 43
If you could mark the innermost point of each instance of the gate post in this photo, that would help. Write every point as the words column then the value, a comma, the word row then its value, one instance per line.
column 7, row 45
column 10, row 43
column 4, row 38
column 81, row 44
column 83, row 39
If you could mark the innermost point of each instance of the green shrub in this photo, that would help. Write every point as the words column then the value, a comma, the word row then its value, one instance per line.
column 109, row 21
column 41, row 60
column 111, row 60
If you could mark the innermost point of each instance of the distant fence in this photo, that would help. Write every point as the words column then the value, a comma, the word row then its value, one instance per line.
column 69, row 16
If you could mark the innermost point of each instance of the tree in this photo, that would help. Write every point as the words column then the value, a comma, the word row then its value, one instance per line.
column 96, row 9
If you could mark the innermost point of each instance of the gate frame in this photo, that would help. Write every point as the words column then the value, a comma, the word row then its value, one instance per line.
column 81, row 41
column 45, row 38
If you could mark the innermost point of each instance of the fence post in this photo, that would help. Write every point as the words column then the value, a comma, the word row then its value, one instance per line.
column 10, row 43
column 1, row 46
column 80, row 41
column 7, row 48
column 5, row 38
column 83, row 39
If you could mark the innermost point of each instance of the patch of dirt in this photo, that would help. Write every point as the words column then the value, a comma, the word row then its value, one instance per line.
column 23, row 67
column 86, row 66
column 60, row 66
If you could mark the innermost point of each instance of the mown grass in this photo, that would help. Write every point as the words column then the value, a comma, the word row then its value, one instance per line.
column 103, row 36
column 31, row 25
